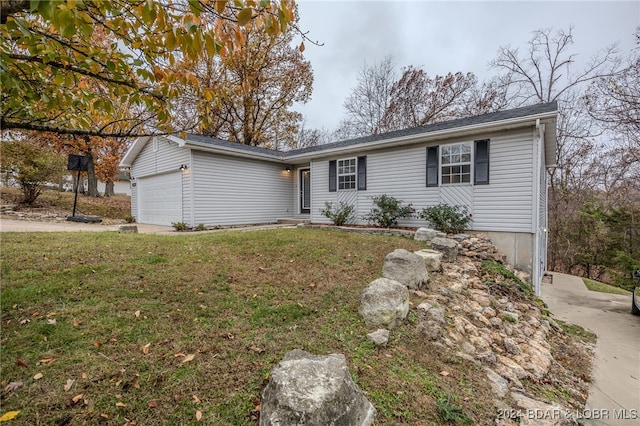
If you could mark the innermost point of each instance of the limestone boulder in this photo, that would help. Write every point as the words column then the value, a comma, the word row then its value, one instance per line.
column 306, row 389
column 432, row 259
column 431, row 320
column 447, row 246
column 380, row 337
column 384, row 303
column 128, row 229
column 427, row 234
column 406, row 268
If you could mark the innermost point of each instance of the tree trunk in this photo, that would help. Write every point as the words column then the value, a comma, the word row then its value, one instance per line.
column 78, row 182
column 109, row 189
column 92, row 182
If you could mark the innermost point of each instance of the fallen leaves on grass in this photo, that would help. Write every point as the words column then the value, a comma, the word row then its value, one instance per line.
column 13, row 386
column 21, row 363
column 47, row 360
column 120, row 404
column 67, row 387
column 188, row 358
column 145, row 349
column 38, row 376
column 9, row 415
column 198, row 415
column 137, row 314
column 77, row 398
column 255, row 349
column 153, row 403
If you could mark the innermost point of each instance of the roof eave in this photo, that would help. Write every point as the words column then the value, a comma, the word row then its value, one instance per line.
column 506, row 124
column 201, row 146
column 133, row 151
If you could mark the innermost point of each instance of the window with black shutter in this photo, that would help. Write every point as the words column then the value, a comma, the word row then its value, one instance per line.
column 333, row 176
column 362, row 173
column 481, row 162
column 432, row 166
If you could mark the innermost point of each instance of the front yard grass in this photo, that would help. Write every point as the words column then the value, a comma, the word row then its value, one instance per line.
column 593, row 285
column 107, row 328
column 115, row 207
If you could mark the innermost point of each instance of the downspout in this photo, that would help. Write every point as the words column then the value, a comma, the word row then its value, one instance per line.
column 537, row 266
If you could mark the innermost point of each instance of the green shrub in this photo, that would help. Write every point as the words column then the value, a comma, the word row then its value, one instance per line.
column 446, row 218
column 130, row 219
column 200, row 227
column 388, row 210
column 179, row 226
column 339, row 214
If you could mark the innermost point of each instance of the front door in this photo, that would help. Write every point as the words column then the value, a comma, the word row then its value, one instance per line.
column 305, row 190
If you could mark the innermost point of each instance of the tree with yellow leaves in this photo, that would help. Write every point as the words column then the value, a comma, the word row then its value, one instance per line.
column 50, row 63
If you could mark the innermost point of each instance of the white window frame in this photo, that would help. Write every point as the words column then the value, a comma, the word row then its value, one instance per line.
column 453, row 156
column 349, row 171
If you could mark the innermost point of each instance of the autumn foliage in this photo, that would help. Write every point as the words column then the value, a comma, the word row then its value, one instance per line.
column 56, row 72
column 255, row 89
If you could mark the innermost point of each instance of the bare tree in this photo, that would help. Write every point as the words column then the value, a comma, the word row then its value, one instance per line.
column 306, row 137
column 485, row 98
column 615, row 103
column 417, row 99
column 369, row 99
column 546, row 71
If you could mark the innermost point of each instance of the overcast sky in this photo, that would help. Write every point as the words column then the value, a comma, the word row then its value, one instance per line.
column 441, row 37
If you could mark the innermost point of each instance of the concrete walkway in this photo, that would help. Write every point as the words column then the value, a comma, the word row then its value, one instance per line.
column 614, row 395
column 10, row 225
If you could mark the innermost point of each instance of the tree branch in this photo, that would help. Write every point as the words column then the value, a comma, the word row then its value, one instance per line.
column 10, row 7
column 16, row 125
column 81, row 71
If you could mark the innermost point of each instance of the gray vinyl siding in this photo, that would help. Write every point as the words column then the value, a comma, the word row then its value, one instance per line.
column 400, row 173
column 187, row 192
column 320, row 191
column 167, row 158
column 507, row 203
column 134, row 200
column 235, row 191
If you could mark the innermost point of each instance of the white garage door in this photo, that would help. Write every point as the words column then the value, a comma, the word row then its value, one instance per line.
column 160, row 199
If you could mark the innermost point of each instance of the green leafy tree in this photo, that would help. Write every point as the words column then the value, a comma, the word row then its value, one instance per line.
column 30, row 166
column 54, row 74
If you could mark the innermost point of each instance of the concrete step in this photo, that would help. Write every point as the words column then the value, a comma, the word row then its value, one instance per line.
column 292, row 220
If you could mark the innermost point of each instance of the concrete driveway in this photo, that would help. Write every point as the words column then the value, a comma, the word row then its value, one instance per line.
column 614, row 395
column 10, row 225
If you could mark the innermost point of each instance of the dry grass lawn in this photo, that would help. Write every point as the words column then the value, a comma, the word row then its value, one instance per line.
column 139, row 329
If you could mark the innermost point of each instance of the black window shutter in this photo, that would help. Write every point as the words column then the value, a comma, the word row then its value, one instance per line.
column 333, row 178
column 432, row 166
column 481, row 162
column 362, row 173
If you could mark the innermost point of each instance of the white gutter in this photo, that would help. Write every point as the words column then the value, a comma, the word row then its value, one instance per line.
column 426, row 137
column 203, row 146
column 382, row 143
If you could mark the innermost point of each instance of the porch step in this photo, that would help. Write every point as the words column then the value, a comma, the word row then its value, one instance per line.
column 292, row 220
